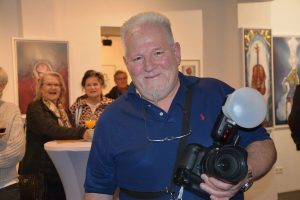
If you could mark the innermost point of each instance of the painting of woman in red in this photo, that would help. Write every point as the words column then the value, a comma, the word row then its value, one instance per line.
column 34, row 58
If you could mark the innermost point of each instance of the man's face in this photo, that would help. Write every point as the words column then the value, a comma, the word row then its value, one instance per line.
column 152, row 61
column 121, row 80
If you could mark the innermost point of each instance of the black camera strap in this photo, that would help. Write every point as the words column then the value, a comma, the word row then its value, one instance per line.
column 185, row 129
column 170, row 190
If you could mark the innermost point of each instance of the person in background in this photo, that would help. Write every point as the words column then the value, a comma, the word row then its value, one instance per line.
column 294, row 118
column 136, row 139
column 120, row 78
column 12, row 144
column 46, row 120
column 90, row 106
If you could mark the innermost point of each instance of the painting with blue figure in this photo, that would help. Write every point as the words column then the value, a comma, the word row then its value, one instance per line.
column 286, row 53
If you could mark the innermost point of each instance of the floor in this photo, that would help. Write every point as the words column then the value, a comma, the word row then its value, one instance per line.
column 293, row 195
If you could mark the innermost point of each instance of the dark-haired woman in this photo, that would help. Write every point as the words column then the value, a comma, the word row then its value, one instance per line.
column 90, row 106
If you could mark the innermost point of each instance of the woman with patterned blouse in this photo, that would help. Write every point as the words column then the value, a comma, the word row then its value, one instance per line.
column 91, row 105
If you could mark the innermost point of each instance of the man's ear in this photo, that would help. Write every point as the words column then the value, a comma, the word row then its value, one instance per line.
column 177, row 52
column 125, row 60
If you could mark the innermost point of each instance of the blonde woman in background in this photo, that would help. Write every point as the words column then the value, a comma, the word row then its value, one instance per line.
column 46, row 121
column 12, row 144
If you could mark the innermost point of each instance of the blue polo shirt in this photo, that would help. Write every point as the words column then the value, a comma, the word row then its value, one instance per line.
column 122, row 156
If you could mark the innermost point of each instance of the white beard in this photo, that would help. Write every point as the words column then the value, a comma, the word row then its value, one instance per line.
column 156, row 91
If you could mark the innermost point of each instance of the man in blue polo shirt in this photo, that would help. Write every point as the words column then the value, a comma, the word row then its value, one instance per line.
column 136, row 139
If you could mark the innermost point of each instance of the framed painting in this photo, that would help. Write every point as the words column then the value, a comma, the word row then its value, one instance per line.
column 32, row 58
column 257, row 57
column 190, row 67
column 286, row 55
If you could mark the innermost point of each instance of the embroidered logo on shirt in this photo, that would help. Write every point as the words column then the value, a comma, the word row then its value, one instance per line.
column 202, row 116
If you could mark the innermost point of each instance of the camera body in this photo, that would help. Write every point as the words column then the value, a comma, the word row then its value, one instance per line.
column 223, row 160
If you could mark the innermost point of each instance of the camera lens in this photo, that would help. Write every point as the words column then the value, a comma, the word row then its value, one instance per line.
column 228, row 164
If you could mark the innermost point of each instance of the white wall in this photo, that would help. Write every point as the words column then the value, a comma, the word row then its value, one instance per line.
column 79, row 23
column 285, row 17
column 9, row 17
column 191, row 46
column 112, row 56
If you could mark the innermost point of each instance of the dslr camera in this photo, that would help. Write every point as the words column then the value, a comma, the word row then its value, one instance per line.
column 223, row 160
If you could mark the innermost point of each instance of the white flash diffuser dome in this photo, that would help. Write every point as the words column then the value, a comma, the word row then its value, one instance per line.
column 246, row 107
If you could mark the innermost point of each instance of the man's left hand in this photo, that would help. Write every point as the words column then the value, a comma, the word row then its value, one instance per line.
column 217, row 189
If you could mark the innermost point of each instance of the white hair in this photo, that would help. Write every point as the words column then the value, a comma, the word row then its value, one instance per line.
column 147, row 18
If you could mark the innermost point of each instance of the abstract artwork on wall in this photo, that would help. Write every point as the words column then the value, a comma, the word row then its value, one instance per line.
column 286, row 55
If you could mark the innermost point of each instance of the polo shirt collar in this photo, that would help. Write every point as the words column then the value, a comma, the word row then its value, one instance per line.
column 185, row 81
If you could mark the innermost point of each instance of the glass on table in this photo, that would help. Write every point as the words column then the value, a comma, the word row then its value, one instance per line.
column 90, row 133
column 90, row 124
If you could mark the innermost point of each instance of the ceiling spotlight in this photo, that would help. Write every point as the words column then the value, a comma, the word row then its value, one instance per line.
column 107, row 42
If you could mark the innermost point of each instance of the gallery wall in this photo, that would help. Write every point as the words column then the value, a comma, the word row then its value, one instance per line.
column 282, row 17
column 10, row 27
column 112, row 59
column 284, row 21
column 79, row 23
column 82, row 30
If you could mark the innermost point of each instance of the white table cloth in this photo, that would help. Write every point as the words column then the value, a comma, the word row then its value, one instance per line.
column 70, row 159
